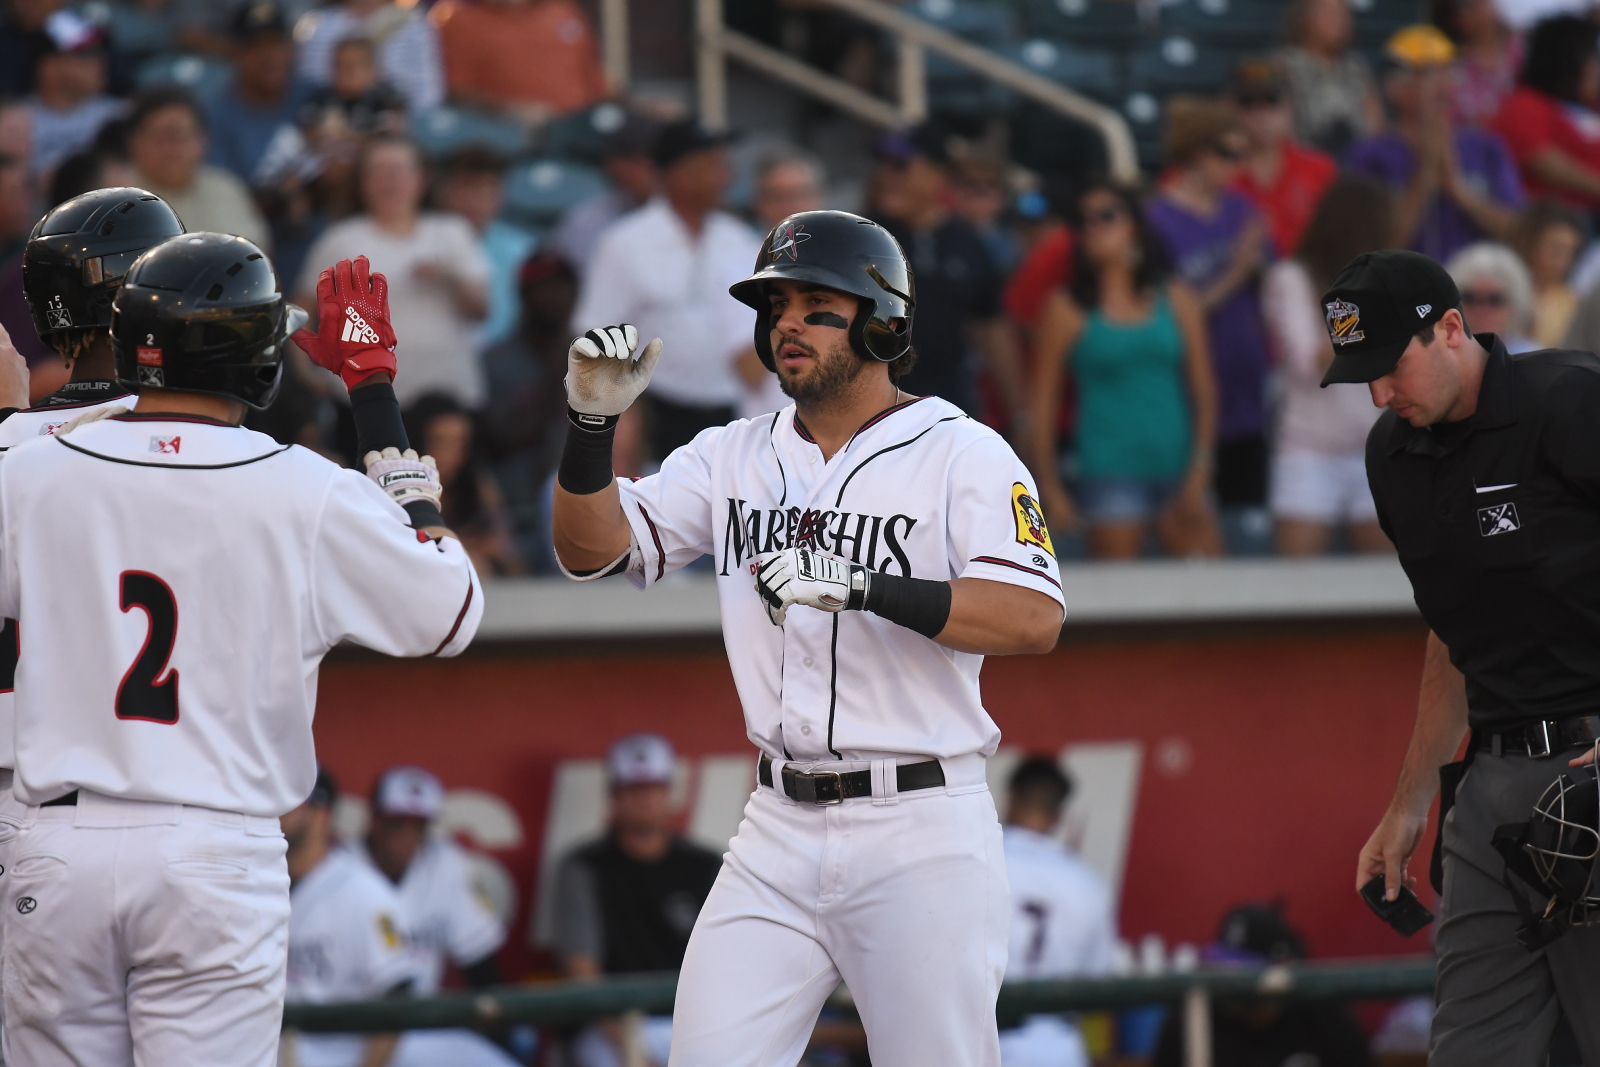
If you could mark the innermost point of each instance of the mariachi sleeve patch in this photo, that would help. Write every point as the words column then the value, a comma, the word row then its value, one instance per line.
column 1031, row 529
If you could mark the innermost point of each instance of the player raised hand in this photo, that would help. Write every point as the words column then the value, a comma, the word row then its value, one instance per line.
column 603, row 377
column 353, row 338
column 405, row 476
column 803, row 576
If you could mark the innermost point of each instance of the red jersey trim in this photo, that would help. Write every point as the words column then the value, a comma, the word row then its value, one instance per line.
column 462, row 614
column 661, row 556
column 996, row 561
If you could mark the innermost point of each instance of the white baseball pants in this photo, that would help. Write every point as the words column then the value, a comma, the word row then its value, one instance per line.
column 904, row 898
column 144, row 935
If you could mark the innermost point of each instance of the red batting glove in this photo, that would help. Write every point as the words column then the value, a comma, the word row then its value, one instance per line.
column 353, row 338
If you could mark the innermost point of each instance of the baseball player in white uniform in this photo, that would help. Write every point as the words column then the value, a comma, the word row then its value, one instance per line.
column 870, row 548
column 1063, row 923
column 197, row 572
column 71, row 270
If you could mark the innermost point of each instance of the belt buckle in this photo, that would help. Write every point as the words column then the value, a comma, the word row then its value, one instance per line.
column 827, row 788
column 1538, row 738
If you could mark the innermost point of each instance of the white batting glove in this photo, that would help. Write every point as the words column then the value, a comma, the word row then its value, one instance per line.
column 802, row 576
column 603, row 377
column 405, row 476
column 92, row 415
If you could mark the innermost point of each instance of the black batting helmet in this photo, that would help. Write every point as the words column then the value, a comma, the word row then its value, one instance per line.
column 203, row 314
column 845, row 252
column 78, row 253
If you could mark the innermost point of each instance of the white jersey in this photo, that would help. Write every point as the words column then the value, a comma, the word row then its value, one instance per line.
column 182, row 580
column 19, row 427
column 443, row 914
column 1063, row 923
column 346, row 942
column 921, row 490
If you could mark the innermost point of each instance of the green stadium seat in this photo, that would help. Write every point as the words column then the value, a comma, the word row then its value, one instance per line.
column 1176, row 63
column 443, row 130
column 539, row 191
column 1093, row 72
column 1083, row 22
column 201, row 75
column 1256, row 24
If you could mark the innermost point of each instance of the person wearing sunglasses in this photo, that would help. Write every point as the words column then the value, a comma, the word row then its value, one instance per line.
column 1496, row 293
column 1284, row 178
column 1218, row 244
column 1452, row 184
column 1134, row 341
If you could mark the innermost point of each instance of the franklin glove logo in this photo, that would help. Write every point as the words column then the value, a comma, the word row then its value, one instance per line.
column 356, row 330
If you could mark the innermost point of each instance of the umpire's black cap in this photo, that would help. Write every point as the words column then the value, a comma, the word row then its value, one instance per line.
column 1376, row 305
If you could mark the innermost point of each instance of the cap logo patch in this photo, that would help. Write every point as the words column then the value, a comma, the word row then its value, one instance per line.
column 1423, row 309
column 148, row 357
column 152, row 376
column 57, row 316
column 1343, row 318
column 1031, row 529
column 786, row 240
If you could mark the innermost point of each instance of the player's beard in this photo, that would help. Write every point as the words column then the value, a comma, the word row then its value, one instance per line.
column 831, row 375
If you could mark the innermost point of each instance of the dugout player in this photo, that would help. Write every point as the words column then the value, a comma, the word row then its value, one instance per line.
column 1486, row 473
column 196, row 572
column 870, row 548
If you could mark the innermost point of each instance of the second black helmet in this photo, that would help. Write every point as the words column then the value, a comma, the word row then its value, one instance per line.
column 79, row 252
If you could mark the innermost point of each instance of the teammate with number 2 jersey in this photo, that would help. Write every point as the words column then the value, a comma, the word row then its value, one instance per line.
column 197, row 572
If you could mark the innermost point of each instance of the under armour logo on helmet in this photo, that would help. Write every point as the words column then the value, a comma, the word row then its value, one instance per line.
column 357, row 331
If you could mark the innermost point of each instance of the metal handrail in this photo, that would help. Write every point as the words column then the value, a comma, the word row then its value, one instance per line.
column 573, row 1003
column 715, row 43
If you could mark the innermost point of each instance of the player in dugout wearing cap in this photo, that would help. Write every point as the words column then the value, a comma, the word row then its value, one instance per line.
column 1486, row 474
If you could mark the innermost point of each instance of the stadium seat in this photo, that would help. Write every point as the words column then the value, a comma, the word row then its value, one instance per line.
column 582, row 135
column 538, row 192
column 986, row 22
column 1093, row 72
column 443, row 130
column 1083, row 22
column 1255, row 24
column 1177, row 64
column 201, row 75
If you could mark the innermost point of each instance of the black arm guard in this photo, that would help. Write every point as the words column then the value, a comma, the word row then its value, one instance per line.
column 586, row 459
column 918, row 604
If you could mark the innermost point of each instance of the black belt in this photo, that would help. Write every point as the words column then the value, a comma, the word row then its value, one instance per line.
column 833, row 787
column 1538, row 739
column 66, row 800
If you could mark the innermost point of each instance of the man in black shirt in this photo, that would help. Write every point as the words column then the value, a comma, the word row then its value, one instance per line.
column 958, row 286
column 626, row 902
column 1486, row 473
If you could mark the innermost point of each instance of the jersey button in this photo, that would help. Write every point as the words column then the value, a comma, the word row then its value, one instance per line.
column 809, row 661
column 806, row 730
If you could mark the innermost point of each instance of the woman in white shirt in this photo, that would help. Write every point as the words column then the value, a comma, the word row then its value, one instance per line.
column 1319, row 477
column 438, row 277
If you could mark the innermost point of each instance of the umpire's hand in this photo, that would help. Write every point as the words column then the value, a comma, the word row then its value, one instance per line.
column 1389, row 849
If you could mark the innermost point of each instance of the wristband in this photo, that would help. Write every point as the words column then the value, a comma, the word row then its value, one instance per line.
column 376, row 412
column 918, row 604
column 586, row 458
column 424, row 513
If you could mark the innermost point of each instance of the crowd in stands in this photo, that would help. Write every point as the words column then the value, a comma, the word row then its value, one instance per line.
column 1154, row 353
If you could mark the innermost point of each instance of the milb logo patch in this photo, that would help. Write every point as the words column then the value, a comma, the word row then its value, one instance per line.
column 1031, row 529
column 1498, row 519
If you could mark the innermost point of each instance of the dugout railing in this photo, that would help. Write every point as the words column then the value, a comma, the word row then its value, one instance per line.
column 573, row 1003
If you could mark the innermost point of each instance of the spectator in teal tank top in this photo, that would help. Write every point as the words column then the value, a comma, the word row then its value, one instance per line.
column 1135, row 343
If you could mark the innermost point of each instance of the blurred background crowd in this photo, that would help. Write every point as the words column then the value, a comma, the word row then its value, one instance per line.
column 1153, row 352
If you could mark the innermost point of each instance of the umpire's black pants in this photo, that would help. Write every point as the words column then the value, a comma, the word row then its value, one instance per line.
column 1498, row 1003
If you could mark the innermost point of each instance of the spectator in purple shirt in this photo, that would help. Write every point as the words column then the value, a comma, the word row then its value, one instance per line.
column 1452, row 185
column 1219, row 243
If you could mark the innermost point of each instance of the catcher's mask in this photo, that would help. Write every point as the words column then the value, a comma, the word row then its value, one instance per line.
column 1556, row 853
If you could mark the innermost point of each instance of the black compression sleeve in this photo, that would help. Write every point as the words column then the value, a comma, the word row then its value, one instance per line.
column 586, row 459
column 424, row 513
column 377, row 417
column 918, row 604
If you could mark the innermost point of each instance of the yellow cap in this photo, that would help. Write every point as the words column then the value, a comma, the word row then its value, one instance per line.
column 1423, row 45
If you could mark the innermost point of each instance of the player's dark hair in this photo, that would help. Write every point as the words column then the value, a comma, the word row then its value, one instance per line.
column 1038, row 782
column 1152, row 266
column 901, row 367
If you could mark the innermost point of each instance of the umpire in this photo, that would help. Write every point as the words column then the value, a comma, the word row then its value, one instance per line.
column 1486, row 473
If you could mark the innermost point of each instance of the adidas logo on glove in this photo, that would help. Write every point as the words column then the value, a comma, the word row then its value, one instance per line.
column 357, row 331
